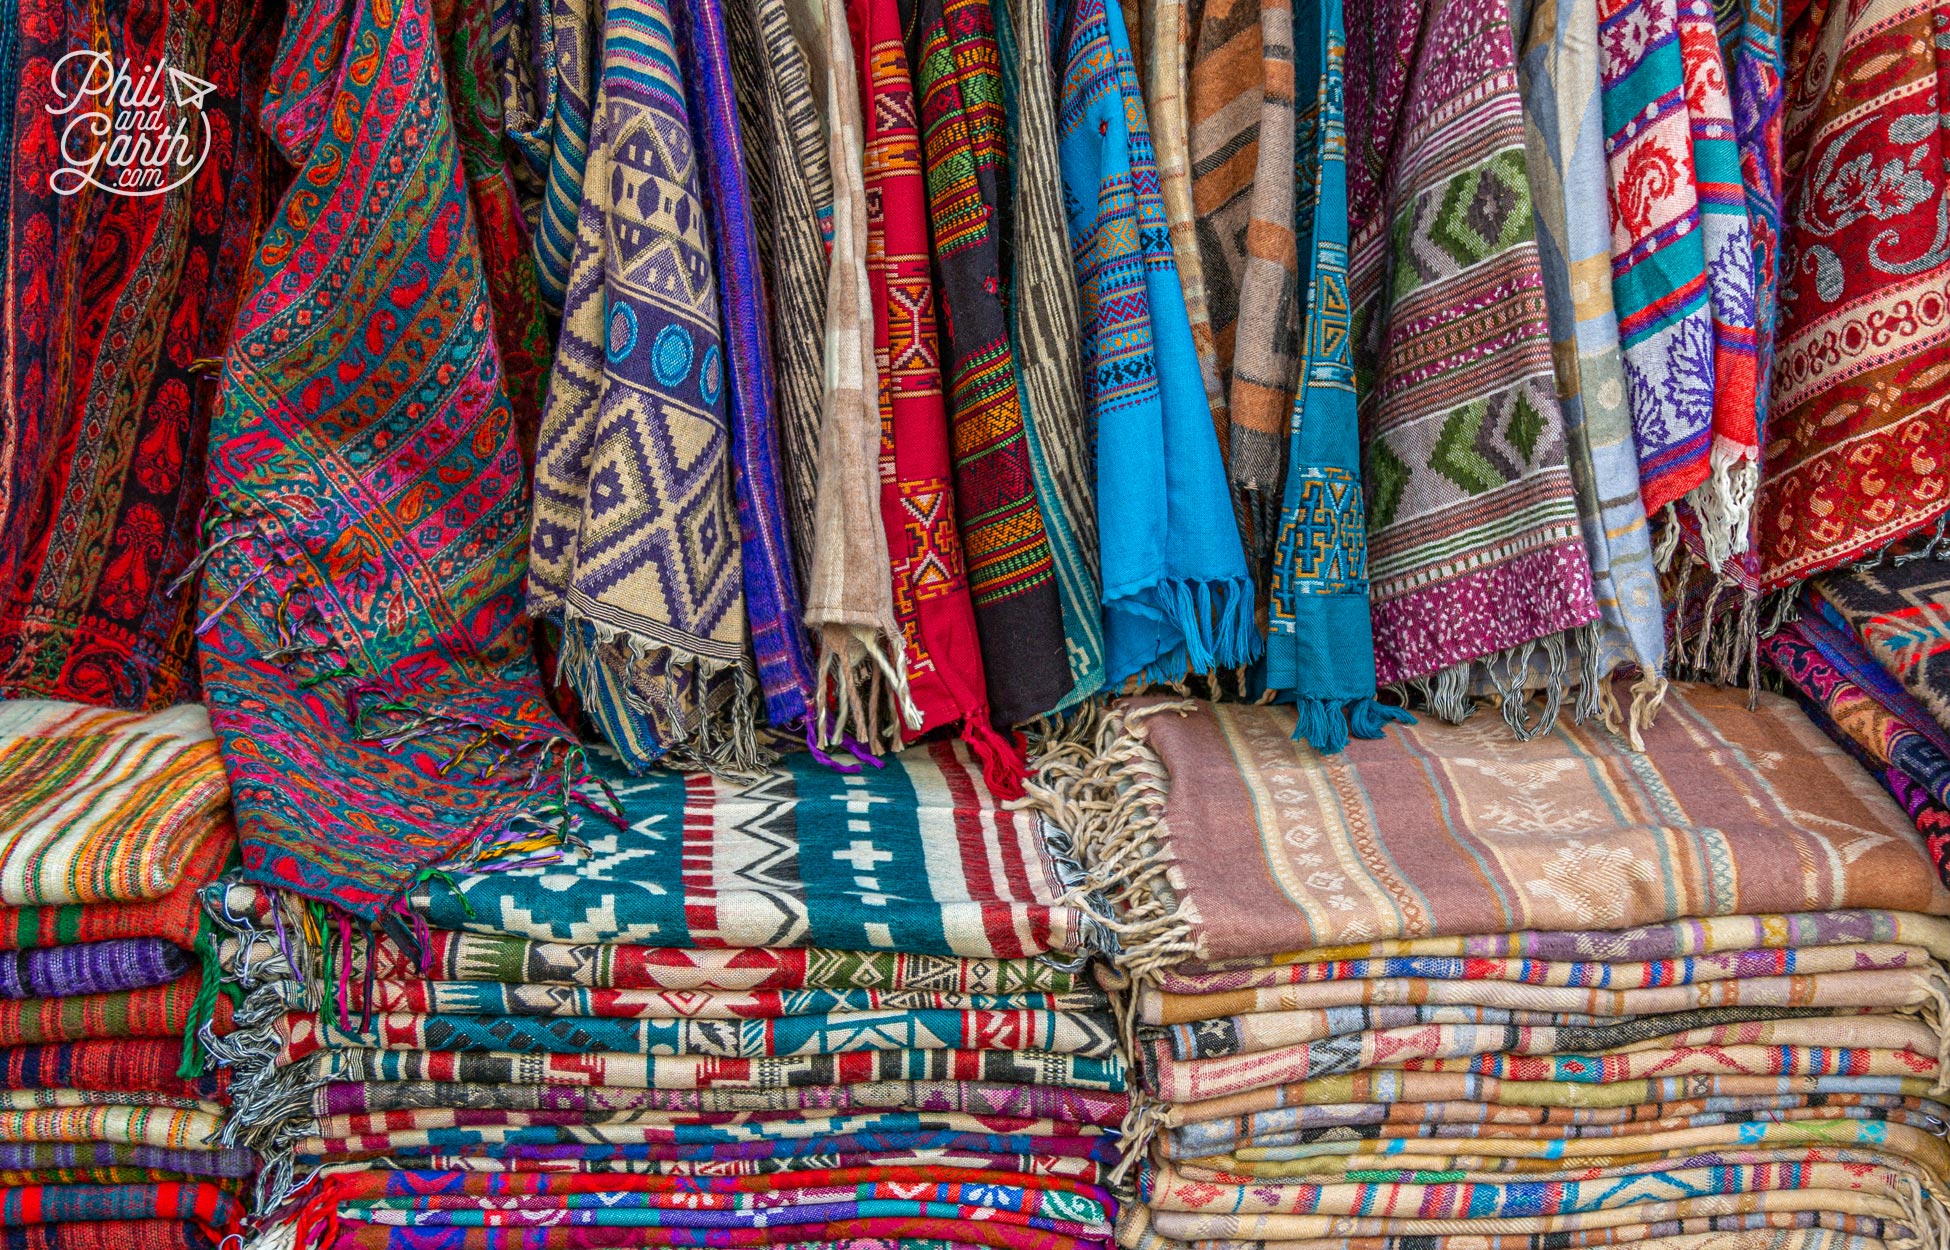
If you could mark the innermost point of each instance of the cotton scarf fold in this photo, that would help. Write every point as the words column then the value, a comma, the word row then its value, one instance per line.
column 1565, row 140
column 1475, row 558
column 111, row 309
column 1320, row 639
column 635, row 546
column 862, row 687
column 917, row 505
column 1857, row 432
column 772, row 604
column 1011, row 573
column 1043, row 330
column 1177, row 595
column 548, row 132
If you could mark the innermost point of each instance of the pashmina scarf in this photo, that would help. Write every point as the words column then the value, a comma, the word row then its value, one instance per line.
column 1857, row 435
column 1167, row 27
column 1011, row 574
column 1900, row 611
column 1177, row 595
column 771, row 586
column 1829, row 630
column 917, row 856
column 932, row 598
column 112, row 308
column 1473, row 548
column 1044, row 333
column 104, row 807
column 635, row 547
column 1225, row 91
column 1448, row 868
column 364, row 632
column 862, row 689
column 790, row 179
column 1565, row 138
column 550, row 141
column 1759, row 93
column 1889, row 739
column 175, row 917
column 99, row 967
column 1320, row 635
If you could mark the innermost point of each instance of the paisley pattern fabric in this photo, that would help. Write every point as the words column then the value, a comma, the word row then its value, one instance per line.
column 365, row 635
column 111, row 311
column 1845, row 472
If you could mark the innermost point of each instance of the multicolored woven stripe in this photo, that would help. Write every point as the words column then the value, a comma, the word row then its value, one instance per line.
column 1011, row 575
column 104, row 807
column 171, row 1010
column 98, row 967
column 175, row 917
column 366, row 657
column 552, row 141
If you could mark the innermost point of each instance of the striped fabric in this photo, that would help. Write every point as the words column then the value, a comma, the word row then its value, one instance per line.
column 551, row 144
column 1044, row 330
column 1226, row 87
column 99, row 806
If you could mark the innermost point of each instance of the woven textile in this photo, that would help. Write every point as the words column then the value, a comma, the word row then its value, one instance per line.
column 867, row 1233
column 1570, row 830
column 161, row 1127
column 105, row 1066
column 99, row 806
column 790, row 181
column 206, row 1205
column 1824, row 625
column 917, row 856
column 365, row 630
column 1759, row 94
column 1320, row 639
column 932, row 597
column 549, row 136
column 1011, row 573
column 785, row 1036
column 99, row 967
column 1225, row 90
column 1846, row 472
column 1890, row 739
column 168, row 1010
column 635, row 545
column 110, row 302
column 849, row 595
column 1564, row 135
column 1472, row 523
column 1177, row 596
column 109, row 1235
column 42, row 1156
column 1901, row 614
column 494, row 998
column 1043, row 330
column 175, row 917
column 772, row 606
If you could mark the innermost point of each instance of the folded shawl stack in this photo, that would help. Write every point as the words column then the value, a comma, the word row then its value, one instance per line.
column 793, row 1009
column 1562, row 993
column 110, row 824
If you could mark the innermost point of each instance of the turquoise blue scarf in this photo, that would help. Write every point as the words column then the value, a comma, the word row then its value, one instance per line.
column 1320, row 643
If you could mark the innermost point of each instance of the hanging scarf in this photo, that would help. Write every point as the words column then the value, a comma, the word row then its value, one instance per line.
column 366, row 659
column 1018, row 618
column 1168, row 29
column 635, row 541
column 1858, row 436
column 1757, row 99
column 771, row 586
column 113, row 307
column 1565, row 139
column 791, row 184
column 1043, row 332
column 1264, row 360
column 1320, row 642
column 1472, row 521
column 1177, row 596
column 548, row 131
column 862, row 687
column 937, row 616
column 1724, row 501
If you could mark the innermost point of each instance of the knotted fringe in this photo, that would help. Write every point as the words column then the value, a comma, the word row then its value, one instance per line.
column 1107, row 793
column 1926, row 1213
column 1724, row 502
column 1450, row 693
column 1723, row 643
column 861, row 691
column 1325, row 724
column 1218, row 620
column 700, row 720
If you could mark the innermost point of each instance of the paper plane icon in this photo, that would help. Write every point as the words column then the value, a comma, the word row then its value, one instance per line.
column 189, row 90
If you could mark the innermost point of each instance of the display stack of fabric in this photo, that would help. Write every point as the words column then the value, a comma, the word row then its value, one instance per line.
column 807, row 1007
column 1868, row 657
column 1558, row 994
column 110, row 824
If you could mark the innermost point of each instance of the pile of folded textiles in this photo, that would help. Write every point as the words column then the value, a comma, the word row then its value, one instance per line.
column 1464, row 991
column 1869, row 660
column 110, row 824
column 812, row 1007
